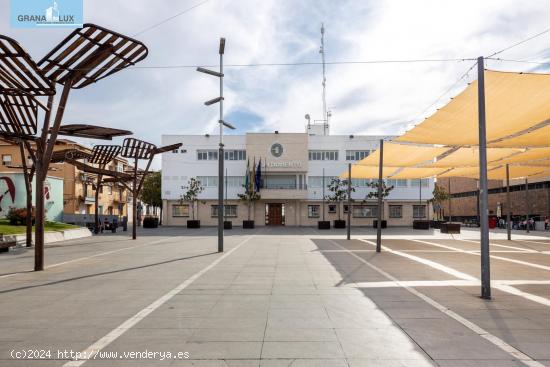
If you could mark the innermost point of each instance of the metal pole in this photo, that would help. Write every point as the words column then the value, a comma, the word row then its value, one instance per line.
column 221, row 159
column 224, row 215
column 323, row 206
column 477, row 204
column 380, row 183
column 349, row 201
column 483, row 200
column 450, row 202
column 509, row 205
column 134, row 200
column 527, row 206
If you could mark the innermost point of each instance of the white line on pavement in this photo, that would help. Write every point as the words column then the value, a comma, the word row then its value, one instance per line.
column 503, row 246
column 533, row 265
column 447, row 283
column 515, row 353
column 132, row 321
column 433, row 264
column 529, row 241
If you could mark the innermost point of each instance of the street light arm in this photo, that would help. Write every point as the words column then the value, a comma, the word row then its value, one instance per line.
column 210, row 72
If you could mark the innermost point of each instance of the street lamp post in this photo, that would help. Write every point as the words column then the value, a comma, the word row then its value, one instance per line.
column 221, row 154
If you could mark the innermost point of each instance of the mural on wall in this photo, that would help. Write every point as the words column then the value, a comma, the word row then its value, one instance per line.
column 10, row 189
column 12, row 194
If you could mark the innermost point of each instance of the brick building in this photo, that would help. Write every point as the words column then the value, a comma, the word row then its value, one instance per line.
column 464, row 198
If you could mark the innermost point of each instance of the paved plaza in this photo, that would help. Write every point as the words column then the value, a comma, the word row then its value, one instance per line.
column 277, row 297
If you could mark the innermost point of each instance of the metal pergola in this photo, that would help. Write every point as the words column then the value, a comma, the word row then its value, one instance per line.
column 85, row 56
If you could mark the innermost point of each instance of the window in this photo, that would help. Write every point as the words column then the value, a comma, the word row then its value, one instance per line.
column 317, row 181
column 180, row 210
column 279, row 182
column 396, row 211
column 425, row 182
column 234, row 181
column 120, row 167
column 84, row 189
column 419, row 211
column 313, row 211
column 332, row 208
column 175, row 151
column 396, row 183
column 323, row 155
column 6, row 159
column 230, row 211
column 208, row 181
column 110, row 190
column 365, row 211
column 346, row 208
column 235, row 155
column 356, row 155
column 207, row 155
column 360, row 182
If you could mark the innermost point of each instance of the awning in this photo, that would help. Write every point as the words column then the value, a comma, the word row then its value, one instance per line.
column 498, row 172
column 416, row 173
column 368, row 172
column 465, row 157
column 401, row 155
column 514, row 102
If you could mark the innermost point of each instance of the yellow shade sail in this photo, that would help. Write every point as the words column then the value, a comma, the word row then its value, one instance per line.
column 496, row 173
column 536, row 138
column 401, row 155
column 464, row 157
column 417, row 172
column 368, row 172
column 514, row 102
column 533, row 157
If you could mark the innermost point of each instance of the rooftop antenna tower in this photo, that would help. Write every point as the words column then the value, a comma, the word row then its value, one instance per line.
column 326, row 113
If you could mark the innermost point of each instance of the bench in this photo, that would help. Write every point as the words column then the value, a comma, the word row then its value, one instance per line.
column 6, row 244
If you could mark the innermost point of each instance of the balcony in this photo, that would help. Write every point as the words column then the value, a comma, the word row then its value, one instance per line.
column 283, row 193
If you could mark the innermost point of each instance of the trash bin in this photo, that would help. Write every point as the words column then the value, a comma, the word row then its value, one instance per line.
column 492, row 222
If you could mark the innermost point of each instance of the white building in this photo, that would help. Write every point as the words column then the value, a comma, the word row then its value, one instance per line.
column 292, row 173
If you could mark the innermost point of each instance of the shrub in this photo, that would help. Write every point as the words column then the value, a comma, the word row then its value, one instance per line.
column 19, row 216
column 150, row 222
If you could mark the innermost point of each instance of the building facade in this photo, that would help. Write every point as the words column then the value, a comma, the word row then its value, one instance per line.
column 293, row 166
column 78, row 194
column 463, row 204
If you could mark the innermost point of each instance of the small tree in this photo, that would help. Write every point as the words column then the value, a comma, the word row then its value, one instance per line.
column 193, row 189
column 249, row 196
column 151, row 192
column 374, row 194
column 440, row 195
column 339, row 192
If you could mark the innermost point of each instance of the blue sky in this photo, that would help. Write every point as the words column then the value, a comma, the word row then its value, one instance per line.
column 364, row 98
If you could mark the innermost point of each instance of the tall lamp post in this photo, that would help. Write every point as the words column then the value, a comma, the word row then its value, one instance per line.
column 221, row 156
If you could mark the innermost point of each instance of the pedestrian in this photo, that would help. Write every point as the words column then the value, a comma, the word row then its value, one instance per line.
column 546, row 223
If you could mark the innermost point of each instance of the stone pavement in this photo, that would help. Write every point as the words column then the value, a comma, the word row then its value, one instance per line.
column 277, row 297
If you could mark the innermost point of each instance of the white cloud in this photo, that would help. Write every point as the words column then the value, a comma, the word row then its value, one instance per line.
column 366, row 98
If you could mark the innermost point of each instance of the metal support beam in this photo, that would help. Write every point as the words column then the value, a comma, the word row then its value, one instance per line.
column 380, row 183
column 323, row 198
column 527, row 204
column 508, row 205
column 221, row 155
column 349, row 201
column 450, row 202
column 483, row 199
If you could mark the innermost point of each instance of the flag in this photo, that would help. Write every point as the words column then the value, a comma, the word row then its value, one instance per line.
column 258, row 176
column 253, row 177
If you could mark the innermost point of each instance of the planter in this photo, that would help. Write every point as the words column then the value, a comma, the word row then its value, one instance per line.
column 375, row 224
column 436, row 223
column 193, row 224
column 323, row 224
column 248, row 224
column 227, row 224
column 148, row 222
column 450, row 227
column 339, row 223
column 421, row 224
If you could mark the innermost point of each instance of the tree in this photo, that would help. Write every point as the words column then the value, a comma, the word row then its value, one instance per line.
column 440, row 195
column 374, row 194
column 249, row 196
column 151, row 191
column 193, row 189
column 339, row 190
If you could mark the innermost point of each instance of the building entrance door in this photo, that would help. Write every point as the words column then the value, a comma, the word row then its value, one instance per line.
column 275, row 214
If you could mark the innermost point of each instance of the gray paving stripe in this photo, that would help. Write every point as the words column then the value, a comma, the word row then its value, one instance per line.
column 513, row 352
column 100, row 344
